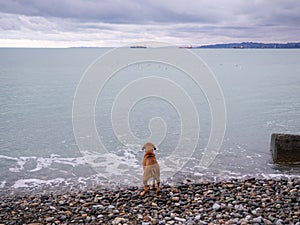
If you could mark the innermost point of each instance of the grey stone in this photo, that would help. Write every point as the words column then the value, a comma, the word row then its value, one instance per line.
column 267, row 222
column 279, row 222
column 62, row 217
column 285, row 148
column 50, row 219
column 216, row 206
column 257, row 219
column 197, row 217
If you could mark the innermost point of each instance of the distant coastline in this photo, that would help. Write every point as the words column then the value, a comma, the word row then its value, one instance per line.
column 241, row 45
column 253, row 45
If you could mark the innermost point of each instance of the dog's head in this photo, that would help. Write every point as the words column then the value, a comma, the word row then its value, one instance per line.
column 149, row 147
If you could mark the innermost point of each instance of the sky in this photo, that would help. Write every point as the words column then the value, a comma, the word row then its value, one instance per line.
column 112, row 23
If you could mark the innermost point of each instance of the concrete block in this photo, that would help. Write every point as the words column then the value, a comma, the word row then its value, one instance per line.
column 285, row 148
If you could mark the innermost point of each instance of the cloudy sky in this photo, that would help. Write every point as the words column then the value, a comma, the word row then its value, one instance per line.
column 66, row 23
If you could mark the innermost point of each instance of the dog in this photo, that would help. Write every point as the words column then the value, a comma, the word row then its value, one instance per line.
column 151, row 168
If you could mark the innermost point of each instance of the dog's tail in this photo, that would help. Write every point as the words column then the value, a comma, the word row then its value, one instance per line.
column 155, row 173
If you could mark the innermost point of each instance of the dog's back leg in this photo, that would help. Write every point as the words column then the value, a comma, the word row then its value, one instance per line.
column 153, row 183
column 145, row 182
column 157, row 184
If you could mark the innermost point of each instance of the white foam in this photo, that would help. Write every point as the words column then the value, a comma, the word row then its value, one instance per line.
column 112, row 162
column 21, row 161
column 47, row 162
column 2, row 185
column 25, row 183
column 42, row 162
column 6, row 157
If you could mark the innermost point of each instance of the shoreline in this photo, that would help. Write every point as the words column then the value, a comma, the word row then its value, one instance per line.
column 233, row 201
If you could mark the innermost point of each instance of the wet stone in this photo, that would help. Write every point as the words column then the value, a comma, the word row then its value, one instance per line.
column 251, row 201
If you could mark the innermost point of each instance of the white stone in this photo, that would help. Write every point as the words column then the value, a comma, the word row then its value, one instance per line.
column 216, row 206
column 180, row 219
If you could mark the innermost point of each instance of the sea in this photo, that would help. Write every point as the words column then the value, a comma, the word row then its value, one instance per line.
column 248, row 94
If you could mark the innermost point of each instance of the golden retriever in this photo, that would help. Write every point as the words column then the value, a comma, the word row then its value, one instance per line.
column 151, row 168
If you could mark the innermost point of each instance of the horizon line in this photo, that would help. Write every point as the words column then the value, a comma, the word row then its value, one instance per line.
column 182, row 45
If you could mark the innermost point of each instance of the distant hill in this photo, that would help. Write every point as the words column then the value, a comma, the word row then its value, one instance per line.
column 253, row 45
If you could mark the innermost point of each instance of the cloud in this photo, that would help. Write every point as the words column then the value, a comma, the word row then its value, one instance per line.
column 159, row 11
column 113, row 23
column 125, row 11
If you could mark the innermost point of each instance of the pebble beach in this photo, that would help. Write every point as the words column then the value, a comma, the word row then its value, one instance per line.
column 234, row 201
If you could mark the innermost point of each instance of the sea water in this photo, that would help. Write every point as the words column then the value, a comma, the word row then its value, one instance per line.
column 37, row 90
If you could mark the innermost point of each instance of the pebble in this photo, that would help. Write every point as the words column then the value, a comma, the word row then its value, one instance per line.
column 254, row 212
column 111, row 207
column 180, row 219
column 216, row 206
column 197, row 217
column 116, row 211
column 146, row 218
column 52, row 207
column 236, row 201
column 35, row 204
column 248, row 217
column 63, row 217
column 68, row 213
column 174, row 190
column 50, row 219
column 175, row 199
column 153, row 204
column 118, row 220
column 257, row 219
